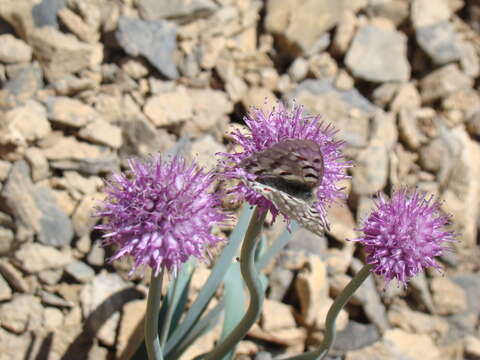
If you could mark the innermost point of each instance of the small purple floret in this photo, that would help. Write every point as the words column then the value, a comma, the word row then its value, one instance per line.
column 277, row 126
column 403, row 235
column 161, row 213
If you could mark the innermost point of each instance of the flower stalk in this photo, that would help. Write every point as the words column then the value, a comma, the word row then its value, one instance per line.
column 152, row 343
column 254, row 286
column 332, row 315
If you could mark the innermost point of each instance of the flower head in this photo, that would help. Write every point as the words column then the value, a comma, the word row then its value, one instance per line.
column 160, row 213
column 267, row 131
column 403, row 235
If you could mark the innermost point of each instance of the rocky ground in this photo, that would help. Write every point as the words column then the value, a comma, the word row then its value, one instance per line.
column 86, row 83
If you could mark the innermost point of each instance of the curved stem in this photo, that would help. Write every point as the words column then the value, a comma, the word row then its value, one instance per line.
column 254, row 285
column 332, row 314
column 154, row 350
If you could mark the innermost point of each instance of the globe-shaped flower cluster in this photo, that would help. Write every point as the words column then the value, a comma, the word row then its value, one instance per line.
column 404, row 234
column 160, row 212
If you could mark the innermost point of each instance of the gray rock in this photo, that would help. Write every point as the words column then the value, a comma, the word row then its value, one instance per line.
column 352, row 98
column 336, row 106
column 464, row 324
column 141, row 138
column 22, row 86
column 440, row 42
column 371, row 302
column 50, row 276
column 55, row 226
column 355, row 336
column 35, row 209
column 155, row 40
column 19, row 196
column 183, row 10
column 80, row 271
column 304, row 241
column 378, row 55
column 45, row 13
column 103, row 165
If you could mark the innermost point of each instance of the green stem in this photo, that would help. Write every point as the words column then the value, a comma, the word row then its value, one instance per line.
column 254, row 285
column 169, row 315
column 332, row 314
column 152, row 343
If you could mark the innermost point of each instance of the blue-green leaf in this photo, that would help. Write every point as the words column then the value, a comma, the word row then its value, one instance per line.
column 211, row 285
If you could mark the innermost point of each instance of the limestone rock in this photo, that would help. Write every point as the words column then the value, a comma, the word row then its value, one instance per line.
column 183, row 10
column 70, row 112
column 167, row 109
column 371, row 171
column 83, row 219
column 5, row 290
column 14, row 277
column 105, row 295
column 34, row 257
column 38, row 164
column 68, row 148
column 60, row 54
column 414, row 346
column 276, row 316
column 14, row 50
column 22, row 313
column 300, row 24
column 29, row 121
column 14, row 346
column 76, row 25
column 130, row 332
column 442, row 82
column 103, row 133
column 448, row 297
column 312, row 288
column 260, row 98
column 426, row 13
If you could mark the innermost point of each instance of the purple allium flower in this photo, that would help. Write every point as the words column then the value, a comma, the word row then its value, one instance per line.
column 160, row 212
column 268, row 130
column 403, row 235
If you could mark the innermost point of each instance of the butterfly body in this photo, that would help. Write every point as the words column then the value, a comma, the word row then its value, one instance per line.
column 288, row 174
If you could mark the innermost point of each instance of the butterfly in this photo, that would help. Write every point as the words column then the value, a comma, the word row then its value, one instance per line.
column 288, row 174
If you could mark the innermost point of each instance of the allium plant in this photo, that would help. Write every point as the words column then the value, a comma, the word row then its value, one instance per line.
column 161, row 213
column 270, row 130
column 403, row 235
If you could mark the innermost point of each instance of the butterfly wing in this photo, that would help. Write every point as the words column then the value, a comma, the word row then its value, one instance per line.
column 294, row 161
column 299, row 210
column 287, row 175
